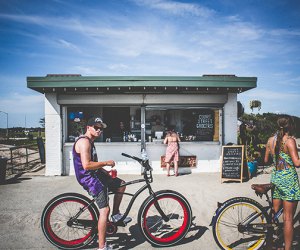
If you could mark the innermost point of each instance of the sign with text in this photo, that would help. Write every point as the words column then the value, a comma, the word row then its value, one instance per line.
column 232, row 163
column 205, row 125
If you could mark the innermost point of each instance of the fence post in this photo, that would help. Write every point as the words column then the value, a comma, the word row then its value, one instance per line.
column 11, row 161
column 41, row 147
column 26, row 157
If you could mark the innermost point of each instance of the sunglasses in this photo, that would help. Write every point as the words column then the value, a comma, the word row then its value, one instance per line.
column 98, row 128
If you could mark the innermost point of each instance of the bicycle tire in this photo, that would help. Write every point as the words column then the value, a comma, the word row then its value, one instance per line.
column 227, row 229
column 155, row 230
column 57, row 213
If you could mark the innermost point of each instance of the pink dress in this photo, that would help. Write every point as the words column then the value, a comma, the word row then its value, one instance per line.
column 172, row 152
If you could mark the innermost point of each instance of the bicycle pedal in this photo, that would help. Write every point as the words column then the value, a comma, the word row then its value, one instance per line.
column 127, row 220
column 124, row 223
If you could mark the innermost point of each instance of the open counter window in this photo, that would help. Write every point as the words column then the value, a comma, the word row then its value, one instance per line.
column 124, row 123
column 77, row 118
column 192, row 124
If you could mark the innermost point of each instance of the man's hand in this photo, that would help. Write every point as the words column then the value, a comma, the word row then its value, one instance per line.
column 110, row 163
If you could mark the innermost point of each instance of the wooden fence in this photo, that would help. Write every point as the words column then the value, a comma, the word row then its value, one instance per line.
column 20, row 158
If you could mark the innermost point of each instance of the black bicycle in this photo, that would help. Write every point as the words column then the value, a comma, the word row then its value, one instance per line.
column 243, row 223
column 69, row 221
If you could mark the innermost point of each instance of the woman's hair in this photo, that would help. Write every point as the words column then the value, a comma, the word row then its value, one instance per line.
column 285, row 124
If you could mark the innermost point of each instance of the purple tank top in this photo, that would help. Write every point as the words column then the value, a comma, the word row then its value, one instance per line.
column 87, row 178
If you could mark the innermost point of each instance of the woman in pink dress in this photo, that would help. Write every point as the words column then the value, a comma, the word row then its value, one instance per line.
column 172, row 152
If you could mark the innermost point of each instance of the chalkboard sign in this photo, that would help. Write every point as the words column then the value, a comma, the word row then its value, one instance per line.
column 232, row 163
column 205, row 125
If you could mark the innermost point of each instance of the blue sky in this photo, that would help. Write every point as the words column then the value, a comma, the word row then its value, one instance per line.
column 149, row 37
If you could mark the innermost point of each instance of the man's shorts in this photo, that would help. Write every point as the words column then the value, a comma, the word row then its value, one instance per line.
column 110, row 184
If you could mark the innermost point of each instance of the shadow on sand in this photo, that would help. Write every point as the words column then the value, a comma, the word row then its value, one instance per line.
column 135, row 238
column 15, row 179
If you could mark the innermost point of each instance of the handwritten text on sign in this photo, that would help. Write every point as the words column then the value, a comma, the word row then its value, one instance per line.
column 232, row 162
column 205, row 121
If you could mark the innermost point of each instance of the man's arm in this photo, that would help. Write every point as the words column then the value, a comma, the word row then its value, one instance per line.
column 84, row 149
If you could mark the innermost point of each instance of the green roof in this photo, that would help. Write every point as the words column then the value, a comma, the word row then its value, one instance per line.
column 137, row 84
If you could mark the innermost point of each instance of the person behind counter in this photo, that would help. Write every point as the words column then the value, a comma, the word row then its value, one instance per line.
column 172, row 152
column 122, row 129
column 119, row 134
column 157, row 127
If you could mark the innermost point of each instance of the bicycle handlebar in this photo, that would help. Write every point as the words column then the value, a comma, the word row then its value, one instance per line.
column 132, row 157
column 144, row 163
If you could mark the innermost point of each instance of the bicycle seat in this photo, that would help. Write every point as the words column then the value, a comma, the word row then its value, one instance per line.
column 262, row 188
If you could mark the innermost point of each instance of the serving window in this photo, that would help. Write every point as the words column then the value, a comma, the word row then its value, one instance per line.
column 192, row 124
column 125, row 122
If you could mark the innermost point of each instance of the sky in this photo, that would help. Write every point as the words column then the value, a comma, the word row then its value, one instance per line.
column 247, row 38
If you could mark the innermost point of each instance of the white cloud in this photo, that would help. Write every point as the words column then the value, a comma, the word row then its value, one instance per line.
column 176, row 8
column 32, row 19
column 85, row 70
column 280, row 96
column 17, row 103
column 272, row 101
column 118, row 66
column 65, row 44
column 284, row 32
column 221, row 42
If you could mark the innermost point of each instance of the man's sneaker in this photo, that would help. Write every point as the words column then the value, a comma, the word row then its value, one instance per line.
column 115, row 218
column 106, row 247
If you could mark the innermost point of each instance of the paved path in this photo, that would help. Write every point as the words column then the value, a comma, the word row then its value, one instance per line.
column 23, row 200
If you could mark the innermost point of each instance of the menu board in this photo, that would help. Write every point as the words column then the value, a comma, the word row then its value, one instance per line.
column 232, row 163
column 205, row 125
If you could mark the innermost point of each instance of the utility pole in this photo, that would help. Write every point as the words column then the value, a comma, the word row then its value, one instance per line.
column 6, row 123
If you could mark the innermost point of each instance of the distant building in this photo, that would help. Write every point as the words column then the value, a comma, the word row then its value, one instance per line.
column 203, row 110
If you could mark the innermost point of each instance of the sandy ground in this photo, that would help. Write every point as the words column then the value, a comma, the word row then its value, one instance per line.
column 23, row 200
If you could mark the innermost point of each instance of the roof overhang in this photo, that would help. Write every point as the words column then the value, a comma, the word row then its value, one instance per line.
column 72, row 84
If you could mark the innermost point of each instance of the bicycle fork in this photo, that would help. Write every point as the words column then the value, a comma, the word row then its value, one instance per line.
column 157, row 206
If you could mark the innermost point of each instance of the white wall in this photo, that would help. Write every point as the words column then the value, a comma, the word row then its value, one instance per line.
column 230, row 119
column 207, row 153
column 53, row 134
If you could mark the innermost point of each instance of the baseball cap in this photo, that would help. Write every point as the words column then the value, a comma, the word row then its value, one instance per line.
column 96, row 120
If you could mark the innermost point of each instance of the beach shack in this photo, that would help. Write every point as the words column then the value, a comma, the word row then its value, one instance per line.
column 138, row 111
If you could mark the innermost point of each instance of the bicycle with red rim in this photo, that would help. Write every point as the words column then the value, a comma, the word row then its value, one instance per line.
column 69, row 220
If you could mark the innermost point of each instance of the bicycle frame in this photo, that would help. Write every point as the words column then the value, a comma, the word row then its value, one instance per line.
column 246, row 226
column 147, row 178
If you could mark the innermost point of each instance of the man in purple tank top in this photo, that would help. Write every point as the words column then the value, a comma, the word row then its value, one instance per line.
column 96, row 180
